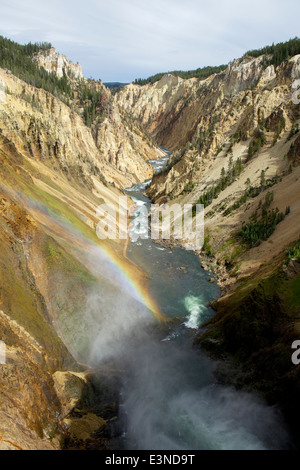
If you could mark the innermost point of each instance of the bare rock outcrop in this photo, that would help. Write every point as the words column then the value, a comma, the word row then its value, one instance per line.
column 52, row 61
column 244, row 115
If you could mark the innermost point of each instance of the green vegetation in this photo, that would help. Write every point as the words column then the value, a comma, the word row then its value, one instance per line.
column 113, row 85
column 18, row 59
column 188, row 187
column 254, row 325
column 260, row 227
column 59, row 210
column 234, row 170
column 256, row 144
column 280, row 127
column 263, row 178
column 94, row 103
column 278, row 52
column 200, row 73
column 200, row 142
column 294, row 130
column 252, row 192
column 59, row 259
column 254, row 329
column 207, row 247
column 294, row 252
column 63, row 269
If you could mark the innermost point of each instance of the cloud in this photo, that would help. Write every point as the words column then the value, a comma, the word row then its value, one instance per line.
column 120, row 41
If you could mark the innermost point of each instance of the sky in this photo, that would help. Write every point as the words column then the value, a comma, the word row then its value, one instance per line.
column 120, row 40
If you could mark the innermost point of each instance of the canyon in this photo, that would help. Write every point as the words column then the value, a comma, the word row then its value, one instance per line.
column 217, row 122
column 240, row 124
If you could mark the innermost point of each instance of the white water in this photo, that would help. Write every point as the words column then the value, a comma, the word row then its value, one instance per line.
column 170, row 402
column 197, row 311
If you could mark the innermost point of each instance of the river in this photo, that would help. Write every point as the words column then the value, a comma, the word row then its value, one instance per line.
column 170, row 398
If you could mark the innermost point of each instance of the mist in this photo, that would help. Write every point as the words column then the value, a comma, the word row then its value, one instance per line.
column 169, row 396
column 171, row 401
column 122, row 322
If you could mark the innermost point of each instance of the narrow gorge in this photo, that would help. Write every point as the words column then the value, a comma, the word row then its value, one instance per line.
column 135, row 343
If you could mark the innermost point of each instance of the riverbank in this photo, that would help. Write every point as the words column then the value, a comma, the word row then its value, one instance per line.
column 218, row 272
column 254, row 326
column 182, row 283
column 252, row 335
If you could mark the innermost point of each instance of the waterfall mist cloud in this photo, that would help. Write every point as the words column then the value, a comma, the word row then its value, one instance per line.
column 112, row 311
column 170, row 399
column 122, row 321
column 171, row 403
column 121, row 41
column 118, row 314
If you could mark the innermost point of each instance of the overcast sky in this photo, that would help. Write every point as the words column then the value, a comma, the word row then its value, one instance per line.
column 120, row 40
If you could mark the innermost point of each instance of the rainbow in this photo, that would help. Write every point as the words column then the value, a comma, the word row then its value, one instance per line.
column 133, row 279
column 120, row 270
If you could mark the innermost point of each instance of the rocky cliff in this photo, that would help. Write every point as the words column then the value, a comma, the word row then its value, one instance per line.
column 235, row 142
column 174, row 109
column 52, row 61
column 242, row 117
column 122, row 148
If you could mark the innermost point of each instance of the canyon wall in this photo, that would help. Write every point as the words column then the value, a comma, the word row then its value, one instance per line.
column 52, row 61
column 54, row 173
column 235, row 141
column 210, row 125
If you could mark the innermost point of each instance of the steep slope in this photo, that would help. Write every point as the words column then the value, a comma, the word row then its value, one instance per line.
column 65, row 139
column 235, row 141
column 52, row 61
column 174, row 109
column 120, row 141
column 56, row 286
column 236, row 145
column 226, row 131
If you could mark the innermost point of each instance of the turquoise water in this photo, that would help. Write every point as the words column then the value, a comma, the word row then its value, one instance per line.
column 178, row 283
